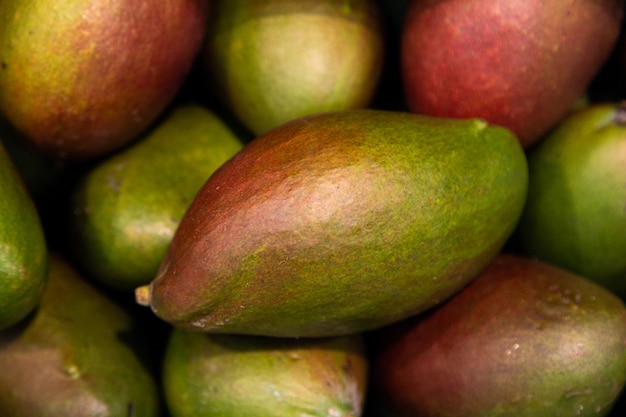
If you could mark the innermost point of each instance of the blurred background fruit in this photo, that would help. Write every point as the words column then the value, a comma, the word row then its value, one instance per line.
column 126, row 208
column 23, row 247
column 272, row 61
column 575, row 213
column 78, row 355
column 248, row 376
column 520, row 64
column 80, row 79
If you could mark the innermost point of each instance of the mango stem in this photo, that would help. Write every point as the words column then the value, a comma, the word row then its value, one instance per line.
column 142, row 295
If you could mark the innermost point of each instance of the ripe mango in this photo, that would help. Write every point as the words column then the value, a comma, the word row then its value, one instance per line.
column 78, row 355
column 575, row 215
column 23, row 246
column 125, row 209
column 525, row 339
column 80, row 79
column 521, row 64
column 341, row 222
column 271, row 61
column 249, row 376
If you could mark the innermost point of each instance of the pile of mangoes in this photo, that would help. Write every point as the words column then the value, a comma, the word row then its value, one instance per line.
column 288, row 208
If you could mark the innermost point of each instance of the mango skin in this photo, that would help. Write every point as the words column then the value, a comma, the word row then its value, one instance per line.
column 271, row 61
column 575, row 214
column 249, row 376
column 529, row 61
column 23, row 246
column 524, row 339
column 80, row 79
column 340, row 222
column 125, row 209
column 77, row 355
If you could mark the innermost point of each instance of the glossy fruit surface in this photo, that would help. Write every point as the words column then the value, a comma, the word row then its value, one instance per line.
column 340, row 222
column 249, row 376
column 524, row 339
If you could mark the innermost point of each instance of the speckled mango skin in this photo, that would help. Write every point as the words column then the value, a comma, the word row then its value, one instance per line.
column 23, row 247
column 248, row 376
column 525, row 339
column 341, row 222
column 82, row 78
column 76, row 356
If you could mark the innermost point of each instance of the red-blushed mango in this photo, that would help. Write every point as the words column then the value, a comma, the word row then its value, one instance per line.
column 525, row 339
column 341, row 222
column 521, row 64
column 82, row 78
column 79, row 354
column 271, row 61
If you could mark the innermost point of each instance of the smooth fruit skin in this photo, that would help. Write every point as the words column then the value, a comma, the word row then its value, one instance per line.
column 83, row 78
column 524, row 339
column 516, row 63
column 271, row 61
column 340, row 222
column 250, row 376
column 575, row 215
column 76, row 356
column 125, row 209
column 23, row 247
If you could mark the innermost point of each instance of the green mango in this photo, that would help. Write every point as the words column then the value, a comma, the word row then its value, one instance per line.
column 125, row 209
column 78, row 355
column 272, row 61
column 249, row 376
column 575, row 215
column 23, row 246
column 82, row 78
column 341, row 222
column 525, row 339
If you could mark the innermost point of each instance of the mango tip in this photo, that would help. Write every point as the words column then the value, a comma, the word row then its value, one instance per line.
column 142, row 295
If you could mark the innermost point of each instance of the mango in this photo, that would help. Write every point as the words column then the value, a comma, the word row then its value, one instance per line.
column 521, row 64
column 77, row 355
column 80, row 79
column 126, row 208
column 525, row 339
column 271, row 61
column 23, row 246
column 250, row 376
column 575, row 215
column 341, row 222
